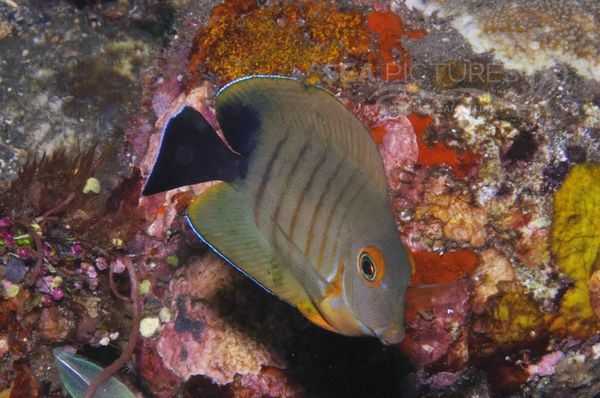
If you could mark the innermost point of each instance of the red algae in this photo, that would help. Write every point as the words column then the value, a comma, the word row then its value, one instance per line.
column 377, row 132
column 431, row 267
column 392, row 59
column 24, row 384
column 462, row 164
column 270, row 382
column 152, row 369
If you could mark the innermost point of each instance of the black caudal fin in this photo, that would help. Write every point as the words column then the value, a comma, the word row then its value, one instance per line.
column 191, row 152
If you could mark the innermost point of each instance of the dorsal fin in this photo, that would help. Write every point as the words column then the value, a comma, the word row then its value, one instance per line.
column 274, row 105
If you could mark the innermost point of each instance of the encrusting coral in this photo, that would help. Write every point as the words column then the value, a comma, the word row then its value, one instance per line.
column 284, row 38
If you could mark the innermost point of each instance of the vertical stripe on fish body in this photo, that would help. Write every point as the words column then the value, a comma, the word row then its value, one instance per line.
column 303, row 209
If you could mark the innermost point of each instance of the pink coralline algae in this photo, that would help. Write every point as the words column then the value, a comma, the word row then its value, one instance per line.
column 398, row 149
column 77, row 249
column 118, row 265
column 50, row 285
column 57, row 294
column 271, row 382
column 24, row 253
column 436, row 318
column 533, row 247
column 90, row 274
column 7, row 238
column 443, row 379
column 101, row 263
column 199, row 341
column 545, row 367
column 167, row 92
column 153, row 370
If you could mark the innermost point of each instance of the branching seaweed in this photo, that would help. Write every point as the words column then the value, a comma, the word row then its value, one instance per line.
column 133, row 334
column 49, row 184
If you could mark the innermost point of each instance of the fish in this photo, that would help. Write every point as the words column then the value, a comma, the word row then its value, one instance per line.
column 77, row 373
column 302, row 205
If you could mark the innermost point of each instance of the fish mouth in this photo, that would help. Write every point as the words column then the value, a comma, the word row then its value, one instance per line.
column 390, row 336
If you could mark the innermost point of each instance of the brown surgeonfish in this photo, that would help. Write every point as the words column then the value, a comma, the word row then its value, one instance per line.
column 303, row 208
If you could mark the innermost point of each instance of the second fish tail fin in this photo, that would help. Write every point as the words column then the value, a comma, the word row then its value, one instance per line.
column 191, row 152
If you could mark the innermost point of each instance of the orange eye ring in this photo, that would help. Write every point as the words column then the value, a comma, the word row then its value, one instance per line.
column 371, row 265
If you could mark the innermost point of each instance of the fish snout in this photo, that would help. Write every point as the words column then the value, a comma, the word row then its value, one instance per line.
column 390, row 336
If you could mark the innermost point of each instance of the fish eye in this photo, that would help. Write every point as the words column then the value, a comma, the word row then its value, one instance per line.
column 371, row 265
column 368, row 267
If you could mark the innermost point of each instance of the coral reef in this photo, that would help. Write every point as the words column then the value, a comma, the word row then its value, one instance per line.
column 492, row 178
